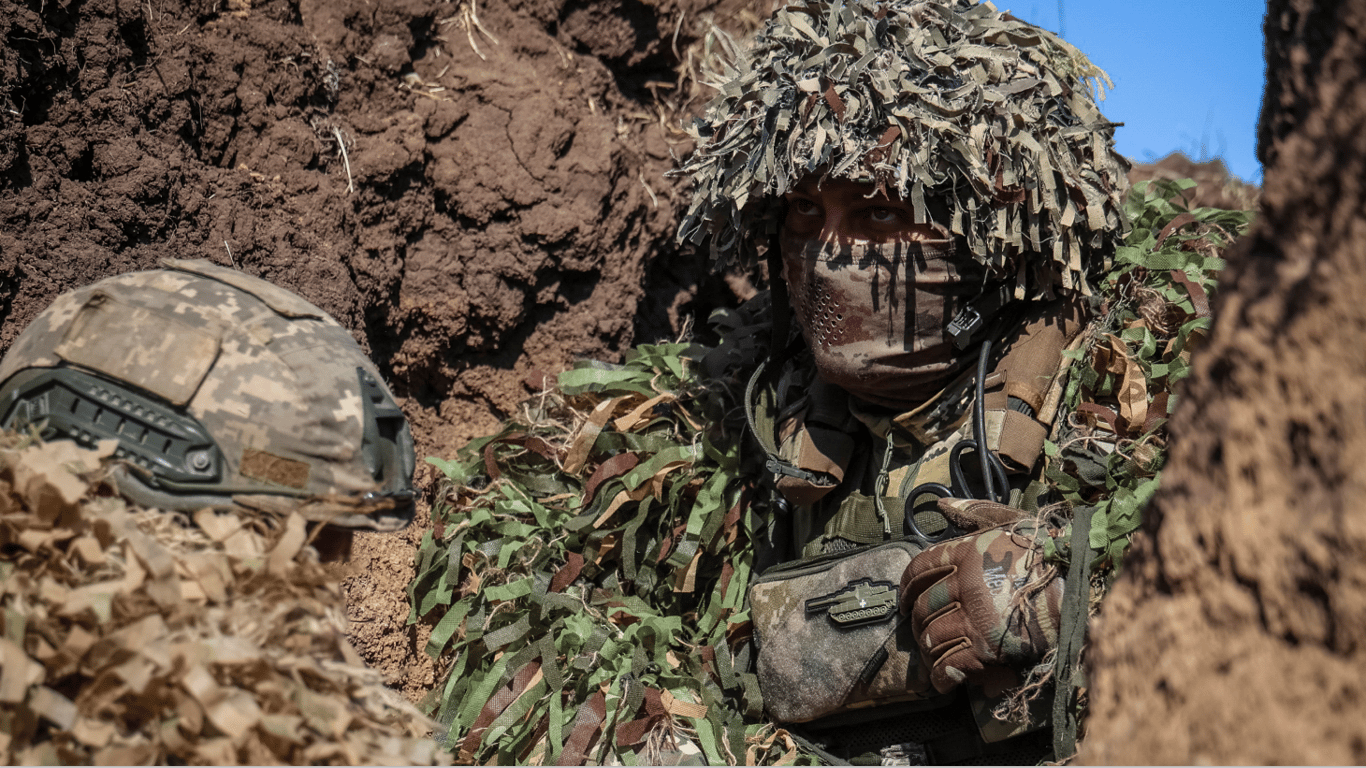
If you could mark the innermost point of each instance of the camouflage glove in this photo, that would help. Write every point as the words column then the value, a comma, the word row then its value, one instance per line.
column 976, row 515
column 983, row 606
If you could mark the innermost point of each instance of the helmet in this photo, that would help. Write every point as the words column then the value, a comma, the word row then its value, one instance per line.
column 949, row 104
column 221, row 390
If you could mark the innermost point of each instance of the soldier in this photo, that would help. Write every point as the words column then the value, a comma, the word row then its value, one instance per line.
column 881, row 568
column 222, row 390
column 937, row 194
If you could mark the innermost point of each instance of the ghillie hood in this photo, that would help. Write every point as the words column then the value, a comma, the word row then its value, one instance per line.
column 946, row 100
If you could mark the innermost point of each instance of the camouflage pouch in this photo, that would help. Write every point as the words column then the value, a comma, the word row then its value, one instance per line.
column 830, row 637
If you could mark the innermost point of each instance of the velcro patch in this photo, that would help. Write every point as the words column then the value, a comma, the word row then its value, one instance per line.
column 261, row 465
column 156, row 351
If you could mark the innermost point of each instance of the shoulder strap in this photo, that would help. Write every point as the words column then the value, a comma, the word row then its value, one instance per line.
column 1071, row 637
column 1020, row 387
column 810, row 462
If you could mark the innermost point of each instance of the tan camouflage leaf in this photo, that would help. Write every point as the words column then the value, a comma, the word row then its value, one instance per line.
column 1133, row 396
column 236, row 714
column 687, row 577
column 93, row 733
column 289, row 545
column 608, row 545
column 218, row 526
column 641, row 413
column 582, row 443
column 17, row 673
column 46, row 475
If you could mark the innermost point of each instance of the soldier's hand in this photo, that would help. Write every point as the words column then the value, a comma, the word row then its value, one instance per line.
column 978, row 515
column 983, row 606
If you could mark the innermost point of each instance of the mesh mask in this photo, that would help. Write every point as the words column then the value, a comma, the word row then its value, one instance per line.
column 875, row 314
column 946, row 100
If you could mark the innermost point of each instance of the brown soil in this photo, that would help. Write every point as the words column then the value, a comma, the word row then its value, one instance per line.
column 1216, row 188
column 471, row 215
column 1238, row 634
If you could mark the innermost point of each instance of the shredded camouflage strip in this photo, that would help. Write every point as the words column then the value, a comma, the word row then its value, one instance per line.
column 1108, row 446
column 942, row 100
column 1121, row 384
column 1105, row 457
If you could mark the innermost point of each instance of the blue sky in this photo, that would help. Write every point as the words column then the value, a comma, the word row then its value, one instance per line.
column 1188, row 74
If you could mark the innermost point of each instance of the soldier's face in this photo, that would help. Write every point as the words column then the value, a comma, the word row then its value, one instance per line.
column 873, row 291
column 840, row 211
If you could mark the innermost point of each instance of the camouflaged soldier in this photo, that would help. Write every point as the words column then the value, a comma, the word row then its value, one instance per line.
column 221, row 389
column 936, row 188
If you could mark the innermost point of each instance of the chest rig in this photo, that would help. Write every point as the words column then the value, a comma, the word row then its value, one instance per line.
column 849, row 473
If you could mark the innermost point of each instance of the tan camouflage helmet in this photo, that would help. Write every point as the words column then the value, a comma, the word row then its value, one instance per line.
column 948, row 104
column 221, row 389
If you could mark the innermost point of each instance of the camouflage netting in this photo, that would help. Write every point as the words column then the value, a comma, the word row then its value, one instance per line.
column 1123, row 371
column 942, row 100
column 129, row 636
column 586, row 578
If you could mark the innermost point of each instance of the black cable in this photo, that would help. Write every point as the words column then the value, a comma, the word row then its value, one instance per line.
column 960, row 480
column 979, row 422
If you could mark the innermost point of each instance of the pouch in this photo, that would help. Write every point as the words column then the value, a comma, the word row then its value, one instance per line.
column 830, row 637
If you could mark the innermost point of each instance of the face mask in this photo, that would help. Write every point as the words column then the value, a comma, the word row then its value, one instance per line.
column 875, row 315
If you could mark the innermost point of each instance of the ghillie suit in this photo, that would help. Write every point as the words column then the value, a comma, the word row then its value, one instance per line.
column 717, row 544
column 587, row 573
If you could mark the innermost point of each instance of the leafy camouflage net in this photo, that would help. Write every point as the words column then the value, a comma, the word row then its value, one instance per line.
column 1121, row 387
column 131, row 637
column 587, row 577
column 1105, row 455
column 936, row 101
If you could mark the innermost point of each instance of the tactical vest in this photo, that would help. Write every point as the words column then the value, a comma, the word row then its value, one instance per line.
column 845, row 469
column 847, row 475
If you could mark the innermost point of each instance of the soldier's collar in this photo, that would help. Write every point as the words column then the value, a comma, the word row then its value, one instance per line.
column 926, row 424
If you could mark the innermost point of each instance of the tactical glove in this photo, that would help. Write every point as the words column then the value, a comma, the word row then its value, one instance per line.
column 983, row 606
column 976, row 515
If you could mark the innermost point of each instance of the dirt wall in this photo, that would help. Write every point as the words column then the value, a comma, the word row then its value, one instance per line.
column 472, row 188
column 457, row 207
column 1237, row 634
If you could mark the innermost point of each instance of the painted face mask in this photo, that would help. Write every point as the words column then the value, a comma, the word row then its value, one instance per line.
column 875, row 315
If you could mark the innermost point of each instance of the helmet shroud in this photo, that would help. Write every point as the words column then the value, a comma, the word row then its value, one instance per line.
column 948, row 104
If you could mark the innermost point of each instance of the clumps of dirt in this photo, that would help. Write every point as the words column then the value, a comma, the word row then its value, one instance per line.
column 131, row 636
column 1236, row 635
column 470, row 213
column 1215, row 187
